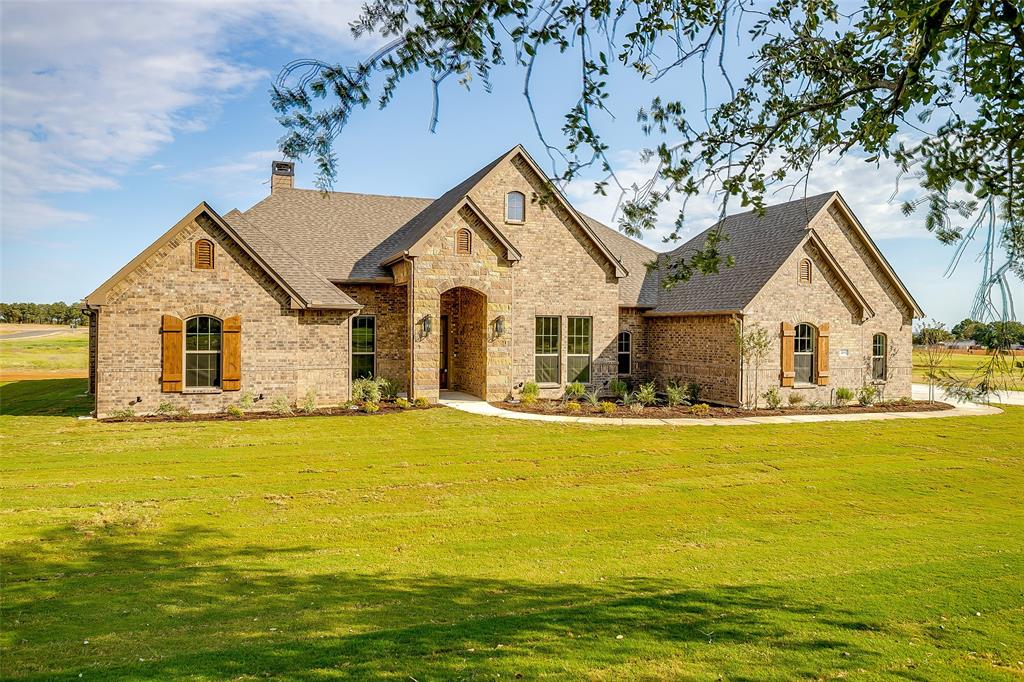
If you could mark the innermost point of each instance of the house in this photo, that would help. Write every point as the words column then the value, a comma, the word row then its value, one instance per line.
column 498, row 282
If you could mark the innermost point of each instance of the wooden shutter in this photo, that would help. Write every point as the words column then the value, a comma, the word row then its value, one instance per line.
column 823, row 354
column 786, row 343
column 170, row 376
column 204, row 255
column 231, row 354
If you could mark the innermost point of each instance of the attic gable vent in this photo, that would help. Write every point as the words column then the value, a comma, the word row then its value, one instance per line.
column 203, row 259
column 463, row 242
column 805, row 271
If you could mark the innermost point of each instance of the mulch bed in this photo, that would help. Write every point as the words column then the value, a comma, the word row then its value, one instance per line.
column 555, row 407
column 385, row 408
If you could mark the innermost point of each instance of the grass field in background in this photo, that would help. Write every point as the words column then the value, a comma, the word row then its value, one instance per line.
column 965, row 366
column 441, row 545
column 65, row 353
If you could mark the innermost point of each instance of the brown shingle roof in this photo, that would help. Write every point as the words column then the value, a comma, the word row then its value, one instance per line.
column 639, row 289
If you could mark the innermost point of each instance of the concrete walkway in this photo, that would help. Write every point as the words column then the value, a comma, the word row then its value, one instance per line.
column 474, row 405
column 1003, row 397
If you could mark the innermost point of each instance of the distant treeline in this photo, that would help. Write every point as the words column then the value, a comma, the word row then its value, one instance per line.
column 42, row 313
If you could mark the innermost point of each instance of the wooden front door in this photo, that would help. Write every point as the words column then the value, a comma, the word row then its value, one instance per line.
column 443, row 360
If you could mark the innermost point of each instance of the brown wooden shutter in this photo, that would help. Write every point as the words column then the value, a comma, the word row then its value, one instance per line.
column 823, row 354
column 204, row 255
column 170, row 376
column 786, row 343
column 231, row 354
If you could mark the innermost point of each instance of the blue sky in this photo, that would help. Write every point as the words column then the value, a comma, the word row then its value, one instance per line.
column 118, row 118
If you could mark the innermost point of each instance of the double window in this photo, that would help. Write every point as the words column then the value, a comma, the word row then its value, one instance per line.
column 803, row 354
column 878, row 357
column 546, row 350
column 625, row 343
column 202, row 352
column 364, row 346
column 577, row 361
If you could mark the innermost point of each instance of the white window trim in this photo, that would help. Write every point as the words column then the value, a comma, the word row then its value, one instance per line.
column 883, row 357
column 185, row 388
column 589, row 355
column 351, row 352
column 557, row 354
column 619, row 353
column 517, row 222
column 813, row 353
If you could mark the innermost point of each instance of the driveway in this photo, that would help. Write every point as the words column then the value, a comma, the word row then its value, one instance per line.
column 1004, row 397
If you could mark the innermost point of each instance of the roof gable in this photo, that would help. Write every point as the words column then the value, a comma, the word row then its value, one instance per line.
column 304, row 290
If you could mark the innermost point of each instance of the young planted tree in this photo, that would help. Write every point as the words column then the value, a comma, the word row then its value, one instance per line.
column 936, row 85
column 934, row 354
column 754, row 343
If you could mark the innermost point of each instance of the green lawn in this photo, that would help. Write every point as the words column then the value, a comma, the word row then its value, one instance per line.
column 62, row 352
column 437, row 545
column 965, row 366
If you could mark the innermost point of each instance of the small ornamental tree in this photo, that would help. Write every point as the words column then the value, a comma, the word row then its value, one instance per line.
column 754, row 343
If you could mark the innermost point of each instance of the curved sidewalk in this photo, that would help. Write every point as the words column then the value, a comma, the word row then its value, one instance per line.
column 474, row 405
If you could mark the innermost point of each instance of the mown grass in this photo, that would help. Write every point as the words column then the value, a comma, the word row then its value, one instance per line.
column 440, row 545
column 61, row 352
column 965, row 366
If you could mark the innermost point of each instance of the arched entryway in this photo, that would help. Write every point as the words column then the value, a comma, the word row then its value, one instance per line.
column 463, row 342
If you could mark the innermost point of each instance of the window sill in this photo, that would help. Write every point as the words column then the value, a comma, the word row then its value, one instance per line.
column 549, row 385
column 515, row 222
column 795, row 385
column 201, row 390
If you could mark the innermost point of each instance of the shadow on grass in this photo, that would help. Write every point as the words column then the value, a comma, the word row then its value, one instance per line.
column 46, row 398
column 181, row 605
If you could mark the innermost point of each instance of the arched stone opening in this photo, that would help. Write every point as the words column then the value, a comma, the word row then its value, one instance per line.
column 462, row 330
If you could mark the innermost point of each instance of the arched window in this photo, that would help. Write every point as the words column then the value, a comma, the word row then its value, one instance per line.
column 803, row 353
column 515, row 207
column 203, row 259
column 879, row 347
column 625, row 353
column 463, row 242
column 202, row 352
column 805, row 271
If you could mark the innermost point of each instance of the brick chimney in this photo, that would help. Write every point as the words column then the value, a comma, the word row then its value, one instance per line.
column 282, row 175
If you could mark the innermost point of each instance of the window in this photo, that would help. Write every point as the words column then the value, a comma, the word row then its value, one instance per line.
column 878, row 357
column 805, row 271
column 515, row 207
column 803, row 354
column 364, row 346
column 463, row 241
column 577, row 361
column 202, row 352
column 203, row 259
column 546, row 350
column 625, row 353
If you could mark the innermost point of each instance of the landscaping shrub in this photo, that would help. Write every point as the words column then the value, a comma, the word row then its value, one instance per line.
column 573, row 407
column 247, row 401
column 126, row 413
column 636, row 407
column 370, row 407
column 575, row 391
column 619, row 388
column 593, row 398
column 866, row 395
column 795, row 399
column 309, row 402
column 647, row 394
column 607, row 407
column 530, row 388
column 166, row 407
column 234, row 411
column 366, row 390
column 772, row 398
column 693, row 391
column 905, row 401
column 528, row 399
column 403, row 403
column 280, row 405
column 675, row 394
column 184, row 411
column 844, row 395
column 422, row 402
column 701, row 409
column 388, row 388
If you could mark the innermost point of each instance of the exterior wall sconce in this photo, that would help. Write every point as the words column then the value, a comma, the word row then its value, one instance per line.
column 499, row 326
column 428, row 324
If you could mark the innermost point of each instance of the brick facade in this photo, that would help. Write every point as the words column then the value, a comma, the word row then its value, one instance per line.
column 554, row 269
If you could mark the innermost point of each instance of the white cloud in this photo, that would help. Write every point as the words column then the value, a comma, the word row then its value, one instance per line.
column 867, row 187
column 90, row 89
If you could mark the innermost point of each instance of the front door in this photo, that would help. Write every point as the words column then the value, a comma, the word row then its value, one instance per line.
column 443, row 362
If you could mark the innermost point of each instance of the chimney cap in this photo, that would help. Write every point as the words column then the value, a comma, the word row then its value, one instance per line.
column 282, row 168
